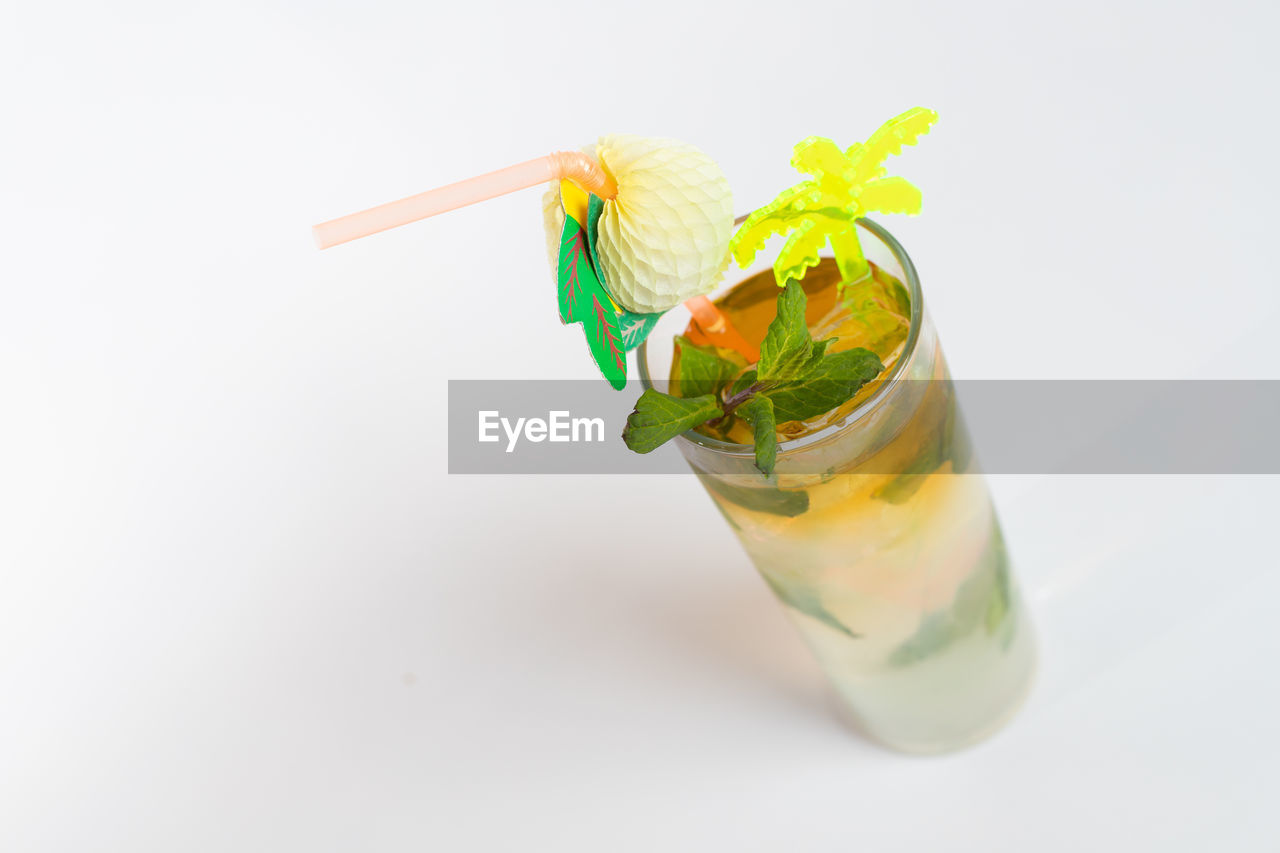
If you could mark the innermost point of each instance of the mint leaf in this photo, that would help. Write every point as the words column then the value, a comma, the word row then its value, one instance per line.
column 815, row 357
column 900, row 489
column 807, row 600
column 1002, row 598
column 956, row 443
column 702, row 369
column 659, row 417
column 787, row 346
column 795, row 379
column 744, row 382
column 953, row 444
column 825, row 385
column 982, row 601
column 758, row 411
column 773, row 501
column 741, row 388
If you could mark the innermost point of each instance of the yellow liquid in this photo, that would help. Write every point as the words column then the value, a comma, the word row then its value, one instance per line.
column 890, row 560
column 874, row 313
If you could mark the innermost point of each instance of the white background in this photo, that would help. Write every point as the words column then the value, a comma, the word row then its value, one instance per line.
column 242, row 605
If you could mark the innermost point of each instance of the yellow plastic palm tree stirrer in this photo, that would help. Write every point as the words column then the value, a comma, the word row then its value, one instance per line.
column 659, row 223
column 844, row 186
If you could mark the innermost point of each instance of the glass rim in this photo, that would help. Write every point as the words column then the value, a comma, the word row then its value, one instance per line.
column 872, row 402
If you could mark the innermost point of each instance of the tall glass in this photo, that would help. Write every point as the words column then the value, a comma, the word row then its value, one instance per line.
column 879, row 538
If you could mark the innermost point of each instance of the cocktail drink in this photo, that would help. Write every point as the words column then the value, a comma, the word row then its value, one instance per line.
column 812, row 402
column 876, row 531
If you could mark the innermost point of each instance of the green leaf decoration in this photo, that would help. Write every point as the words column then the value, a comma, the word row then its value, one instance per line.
column 595, row 206
column 583, row 299
column 573, row 272
column 845, row 185
column 758, row 411
column 606, row 341
column 827, row 384
column 635, row 327
column 787, row 345
column 702, row 369
column 659, row 417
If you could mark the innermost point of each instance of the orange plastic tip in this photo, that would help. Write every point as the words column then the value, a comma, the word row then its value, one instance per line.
column 717, row 328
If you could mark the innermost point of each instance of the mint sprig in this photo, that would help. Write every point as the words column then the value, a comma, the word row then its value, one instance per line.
column 659, row 417
column 702, row 369
column 787, row 346
column 829, row 381
column 794, row 380
column 758, row 411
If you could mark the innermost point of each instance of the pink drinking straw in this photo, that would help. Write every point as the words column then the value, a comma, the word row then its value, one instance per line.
column 559, row 165
column 573, row 165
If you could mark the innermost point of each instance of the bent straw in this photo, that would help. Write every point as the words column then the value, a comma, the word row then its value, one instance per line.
column 574, row 165
column 718, row 330
column 716, row 326
column 559, row 165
